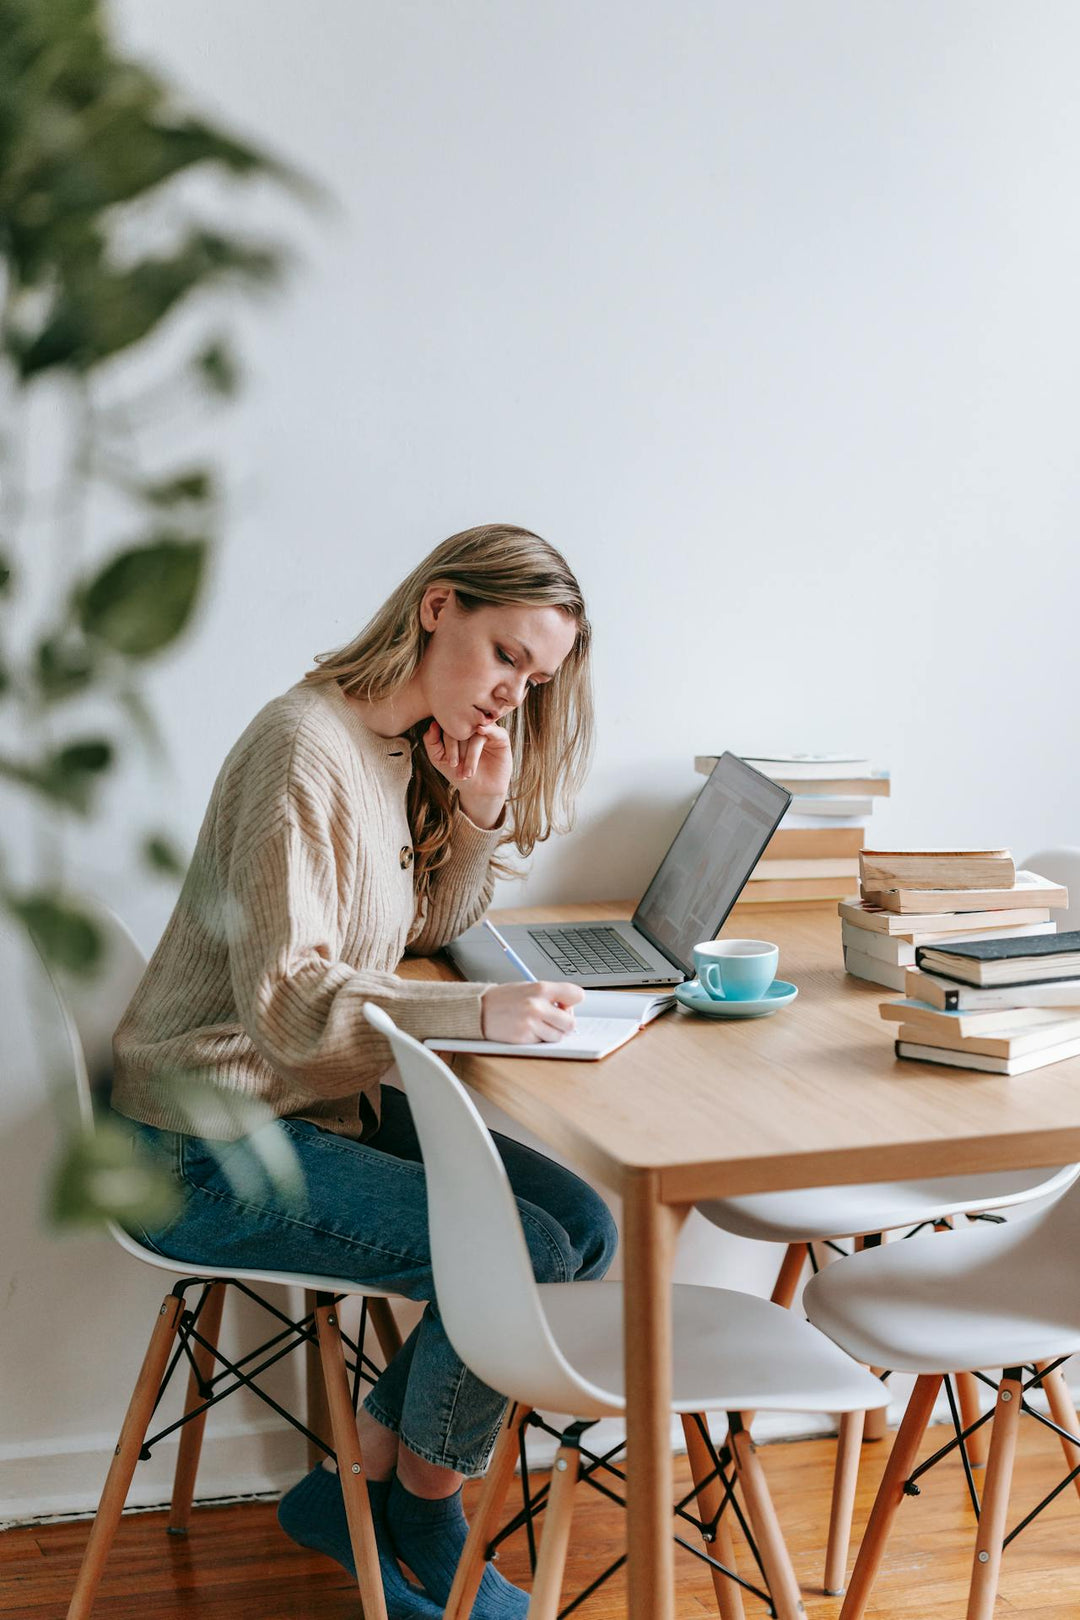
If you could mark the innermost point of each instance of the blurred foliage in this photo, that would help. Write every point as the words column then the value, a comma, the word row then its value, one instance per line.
column 93, row 147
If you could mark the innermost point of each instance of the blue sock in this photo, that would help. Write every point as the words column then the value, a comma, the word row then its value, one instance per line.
column 429, row 1536
column 313, row 1513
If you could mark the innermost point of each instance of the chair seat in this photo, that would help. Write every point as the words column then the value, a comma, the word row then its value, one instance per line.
column 296, row 1279
column 986, row 1297
column 810, row 1214
column 732, row 1351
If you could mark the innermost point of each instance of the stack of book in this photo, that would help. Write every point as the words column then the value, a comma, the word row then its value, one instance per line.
column 814, row 853
column 915, row 898
column 1002, row 1005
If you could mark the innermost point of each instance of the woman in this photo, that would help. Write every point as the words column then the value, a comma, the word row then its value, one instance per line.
column 361, row 815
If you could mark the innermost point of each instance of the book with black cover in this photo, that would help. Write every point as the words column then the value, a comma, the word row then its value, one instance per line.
column 1034, row 959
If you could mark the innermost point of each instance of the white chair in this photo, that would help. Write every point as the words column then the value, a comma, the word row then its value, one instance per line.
column 559, row 1346
column 809, row 1215
column 985, row 1297
column 90, row 1014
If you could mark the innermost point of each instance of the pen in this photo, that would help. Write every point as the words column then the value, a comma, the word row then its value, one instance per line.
column 512, row 954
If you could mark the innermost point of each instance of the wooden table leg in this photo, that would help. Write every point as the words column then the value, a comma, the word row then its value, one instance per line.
column 650, row 1231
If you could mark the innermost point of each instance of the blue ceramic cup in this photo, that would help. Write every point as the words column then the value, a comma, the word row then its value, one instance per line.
column 736, row 969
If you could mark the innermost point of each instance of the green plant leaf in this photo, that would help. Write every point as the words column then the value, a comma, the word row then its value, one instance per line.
column 196, row 486
column 99, row 311
column 105, row 1176
column 63, row 668
column 161, row 855
column 7, row 577
column 68, row 776
column 66, row 937
column 142, row 599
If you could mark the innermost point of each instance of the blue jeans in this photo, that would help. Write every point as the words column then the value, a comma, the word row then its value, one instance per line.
column 363, row 1216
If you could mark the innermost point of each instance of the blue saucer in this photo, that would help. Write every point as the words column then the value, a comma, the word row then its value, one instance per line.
column 695, row 999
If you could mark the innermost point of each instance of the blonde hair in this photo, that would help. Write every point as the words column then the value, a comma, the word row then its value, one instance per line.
column 551, row 732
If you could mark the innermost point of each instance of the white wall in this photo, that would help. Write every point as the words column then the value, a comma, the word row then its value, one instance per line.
column 765, row 314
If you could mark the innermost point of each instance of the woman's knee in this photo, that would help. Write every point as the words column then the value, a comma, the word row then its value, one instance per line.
column 594, row 1235
column 581, row 1244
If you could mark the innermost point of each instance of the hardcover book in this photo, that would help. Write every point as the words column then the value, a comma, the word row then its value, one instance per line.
column 1004, row 962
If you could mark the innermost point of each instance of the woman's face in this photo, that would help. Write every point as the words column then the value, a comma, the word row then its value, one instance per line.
column 478, row 666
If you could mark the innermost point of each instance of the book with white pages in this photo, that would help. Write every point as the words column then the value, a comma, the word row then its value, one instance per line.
column 989, row 1065
column 950, row 996
column 603, row 1021
column 846, row 818
column 1030, row 889
column 875, row 919
column 964, row 1025
column 810, row 767
column 873, row 969
column 899, row 949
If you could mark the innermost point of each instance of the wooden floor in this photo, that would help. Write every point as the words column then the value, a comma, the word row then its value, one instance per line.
column 235, row 1562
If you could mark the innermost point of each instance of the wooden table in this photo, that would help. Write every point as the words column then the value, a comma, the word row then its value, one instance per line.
column 693, row 1109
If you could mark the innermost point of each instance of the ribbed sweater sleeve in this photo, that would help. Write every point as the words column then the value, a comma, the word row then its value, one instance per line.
column 293, row 864
column 462, row 889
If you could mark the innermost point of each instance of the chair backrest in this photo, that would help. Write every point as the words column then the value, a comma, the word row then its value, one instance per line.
column 487, row 1295
column 1061, row 865
column 94, row 1006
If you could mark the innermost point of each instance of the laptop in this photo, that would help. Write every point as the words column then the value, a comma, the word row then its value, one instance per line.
column 696, row 885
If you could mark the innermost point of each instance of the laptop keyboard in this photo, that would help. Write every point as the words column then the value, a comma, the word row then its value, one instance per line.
column 587, row 950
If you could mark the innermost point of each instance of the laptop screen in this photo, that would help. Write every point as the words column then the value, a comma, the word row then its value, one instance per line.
column 714, row 852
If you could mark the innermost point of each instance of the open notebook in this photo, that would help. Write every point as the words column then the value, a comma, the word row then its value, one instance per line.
column 604, row 1021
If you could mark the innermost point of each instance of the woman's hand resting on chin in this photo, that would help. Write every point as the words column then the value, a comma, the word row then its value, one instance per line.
column 516, row 1013
column 478, row 766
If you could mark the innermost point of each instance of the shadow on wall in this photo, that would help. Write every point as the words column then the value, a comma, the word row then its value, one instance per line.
column 613, row 855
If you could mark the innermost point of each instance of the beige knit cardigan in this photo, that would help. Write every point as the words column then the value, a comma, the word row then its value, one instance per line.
column 297, row 907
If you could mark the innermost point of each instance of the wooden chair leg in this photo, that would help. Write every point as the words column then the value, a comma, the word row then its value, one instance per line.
column 386, row 1329
column 317, row 1413
column 191, row 1435
column 728, row 1595
column 349, row 1460
column 995, row 1502
column 118, row 1479
column 1063, row 1413
column 547, row 1586
column 791, row 1269
column 783, row 1586
column 470, row 1570
column 845, row 1479
column 967, row 1392
column 901, row 1461
column 785, row 1287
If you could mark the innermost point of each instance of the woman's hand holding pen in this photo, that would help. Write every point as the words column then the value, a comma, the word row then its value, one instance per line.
column 478, row 766
column 537, row 1011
